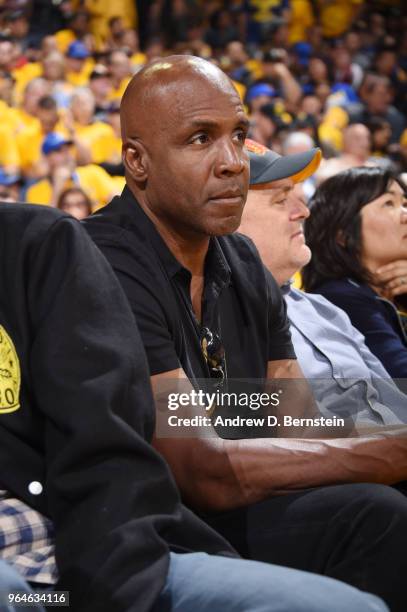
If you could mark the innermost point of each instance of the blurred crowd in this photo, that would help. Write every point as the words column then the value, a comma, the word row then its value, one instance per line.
column 331, row 73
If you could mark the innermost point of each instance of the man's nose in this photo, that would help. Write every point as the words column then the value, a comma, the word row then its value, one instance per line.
column 231, row 159
column 299, row 210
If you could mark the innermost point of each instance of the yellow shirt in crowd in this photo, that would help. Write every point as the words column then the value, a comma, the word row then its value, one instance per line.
column 336, row 16
column 81, row 79
column 95, row 181
column 100, row 138
column 9, row 158
column 29, row 143
column 301, row 18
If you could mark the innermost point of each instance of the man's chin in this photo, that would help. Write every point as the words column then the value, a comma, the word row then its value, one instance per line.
column 225, row 226
column 305, row 256
column 228, row 226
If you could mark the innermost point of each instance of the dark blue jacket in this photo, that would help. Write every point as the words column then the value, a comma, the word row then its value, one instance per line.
column 375, row 317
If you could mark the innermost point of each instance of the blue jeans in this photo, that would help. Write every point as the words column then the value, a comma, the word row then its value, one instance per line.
column 199, row 582
column 10, row 581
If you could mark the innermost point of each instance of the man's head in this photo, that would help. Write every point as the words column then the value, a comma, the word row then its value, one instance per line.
column 119, row 65
column 33, row 92
column 183, row 129
column 83, row 105
column 276, row 209
column 53, row 66
column 76, row 56
column 57, row 151
column 7, row 54
column 100, row 82
column 47, row 113
column 356, row 141
column 17, row 23
column 376, row 93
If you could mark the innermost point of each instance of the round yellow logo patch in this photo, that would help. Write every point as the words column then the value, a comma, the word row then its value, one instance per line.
column 10, row 376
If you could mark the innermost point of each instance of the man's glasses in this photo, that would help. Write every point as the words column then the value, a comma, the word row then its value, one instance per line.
column 214, row 353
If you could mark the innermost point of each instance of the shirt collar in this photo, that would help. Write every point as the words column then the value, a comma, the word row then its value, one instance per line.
column 216, row 265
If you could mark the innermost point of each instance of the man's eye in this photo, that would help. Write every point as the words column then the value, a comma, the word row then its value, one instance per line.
column 200, row 139
column 389, row 203
column 240, row 135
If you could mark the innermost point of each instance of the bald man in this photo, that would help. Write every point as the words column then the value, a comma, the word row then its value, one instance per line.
column 209, row 313
column 355, row 152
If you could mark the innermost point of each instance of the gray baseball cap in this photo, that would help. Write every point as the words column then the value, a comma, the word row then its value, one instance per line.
column 267, row 166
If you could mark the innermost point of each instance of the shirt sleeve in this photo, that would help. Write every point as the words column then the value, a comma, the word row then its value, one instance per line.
column 280, row 344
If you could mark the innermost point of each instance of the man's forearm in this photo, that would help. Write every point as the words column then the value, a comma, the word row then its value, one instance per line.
column 216, row 475
column 273, row 467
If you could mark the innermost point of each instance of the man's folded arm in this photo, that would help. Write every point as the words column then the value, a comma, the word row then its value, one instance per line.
column 215, row 474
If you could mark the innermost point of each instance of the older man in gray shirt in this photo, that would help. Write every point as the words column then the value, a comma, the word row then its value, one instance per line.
column 347, row 380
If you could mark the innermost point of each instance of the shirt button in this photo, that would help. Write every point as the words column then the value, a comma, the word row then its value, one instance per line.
column 35, row 487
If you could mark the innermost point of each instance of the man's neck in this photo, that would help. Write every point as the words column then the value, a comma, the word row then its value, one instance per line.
column 190, row 253
column 190, row 250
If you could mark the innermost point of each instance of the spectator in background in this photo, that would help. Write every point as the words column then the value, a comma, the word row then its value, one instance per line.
column 354, row 44
column 221, row 30
column 380, row 134
column 78, row 64
column 386, row 64
column 29, row 141
column 53, row 71
column 336, row 16
column 236, row 59
column 344, row 69
column 259, row 95
column 119, row 65
column 116, row 30
column 7, row 83
column 7, row 54
column 277, row 73
column 310, row 105
column 26, row 115
column 101, row 11
column 78, row 28
column 16, row 21
column 10, row 185
column 91, row 133
column 268, row 127
column 9, row 155
column 62, row 172
column 300, row 142
column 355, row 152
column 75, row 202
column 100, row 84
column 357, row 234
column 130, row 43
column 377, row 95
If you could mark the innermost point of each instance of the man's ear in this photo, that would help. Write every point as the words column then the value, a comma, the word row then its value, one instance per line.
column 135, row 160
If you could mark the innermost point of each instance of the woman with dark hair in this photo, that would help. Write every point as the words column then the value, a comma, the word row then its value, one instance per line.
column 358, row 237
column 75, row 202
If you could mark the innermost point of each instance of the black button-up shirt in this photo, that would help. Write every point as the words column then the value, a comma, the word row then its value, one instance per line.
column 241, row 300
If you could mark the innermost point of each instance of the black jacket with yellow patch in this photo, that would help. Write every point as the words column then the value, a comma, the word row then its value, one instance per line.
column 76, row 416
